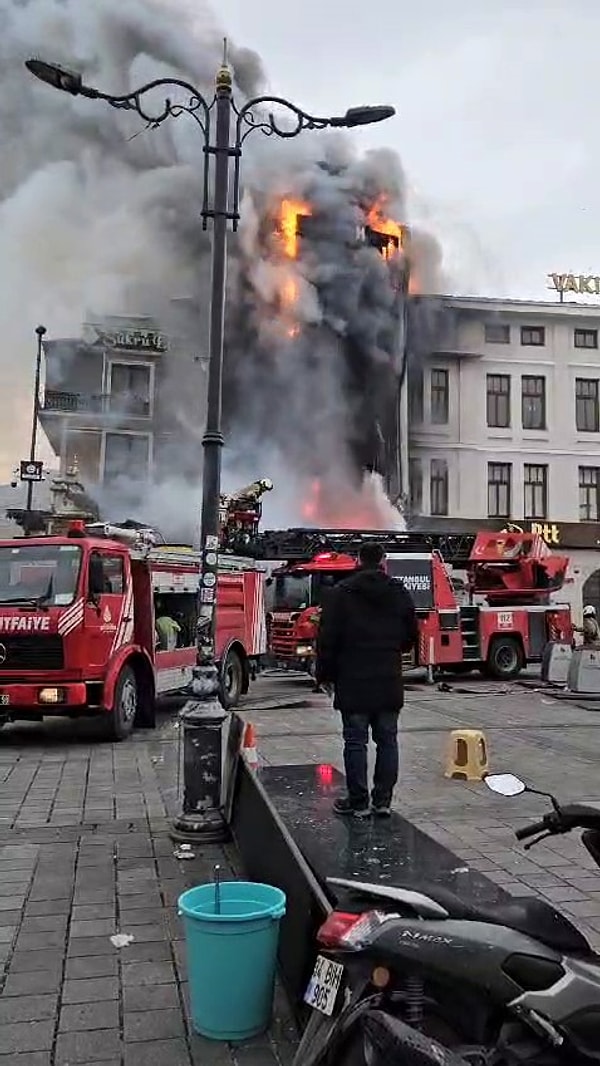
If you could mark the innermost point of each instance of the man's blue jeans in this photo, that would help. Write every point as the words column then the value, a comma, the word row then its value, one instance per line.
column 384, row 729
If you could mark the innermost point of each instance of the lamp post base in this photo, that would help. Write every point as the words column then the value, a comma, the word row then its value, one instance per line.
column 203, row 736
column 209, row 828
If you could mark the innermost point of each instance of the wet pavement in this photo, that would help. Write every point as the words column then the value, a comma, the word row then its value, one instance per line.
column 551, row 744
column 84, row 854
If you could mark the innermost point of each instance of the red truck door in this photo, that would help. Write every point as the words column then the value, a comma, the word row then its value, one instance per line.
column 106, row 615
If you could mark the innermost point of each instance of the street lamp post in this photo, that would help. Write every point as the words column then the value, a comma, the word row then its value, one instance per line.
column 40, row 330
column 203, row 719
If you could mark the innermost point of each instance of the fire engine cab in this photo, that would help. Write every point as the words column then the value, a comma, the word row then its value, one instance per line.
column 78, row 623
column 504, row 622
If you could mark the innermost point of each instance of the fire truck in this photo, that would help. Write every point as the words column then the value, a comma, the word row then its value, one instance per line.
column 78, row 611
column 507, row 613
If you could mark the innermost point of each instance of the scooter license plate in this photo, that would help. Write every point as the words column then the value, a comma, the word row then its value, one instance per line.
column 324, row 984
column 4, row 699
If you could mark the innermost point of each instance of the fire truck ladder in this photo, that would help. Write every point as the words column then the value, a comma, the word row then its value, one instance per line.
column 296, row 545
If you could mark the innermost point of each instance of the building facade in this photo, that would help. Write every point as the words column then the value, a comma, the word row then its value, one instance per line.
column 120, row 401
column 506, row 422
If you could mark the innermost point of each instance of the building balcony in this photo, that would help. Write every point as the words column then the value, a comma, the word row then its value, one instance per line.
column 101, row 404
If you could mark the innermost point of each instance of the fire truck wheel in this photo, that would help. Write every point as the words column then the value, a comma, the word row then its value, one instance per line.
column 232, row 680
column 505, row 658
column 122, row 717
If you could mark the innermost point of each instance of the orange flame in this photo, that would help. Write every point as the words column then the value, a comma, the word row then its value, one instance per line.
column 378, row 221
column 291, row 210
column 343, row 509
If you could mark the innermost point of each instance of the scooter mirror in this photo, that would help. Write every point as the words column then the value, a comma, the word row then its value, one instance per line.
column 505, row 784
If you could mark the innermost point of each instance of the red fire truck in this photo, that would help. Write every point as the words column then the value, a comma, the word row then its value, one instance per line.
column 77, row 622
column 505, row 621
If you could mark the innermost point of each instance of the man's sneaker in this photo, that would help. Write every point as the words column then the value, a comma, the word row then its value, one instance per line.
column 345, row 808
column 380, row 810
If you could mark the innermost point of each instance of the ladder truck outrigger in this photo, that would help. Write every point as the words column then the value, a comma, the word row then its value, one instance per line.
column 501, row 622
column 78, row 610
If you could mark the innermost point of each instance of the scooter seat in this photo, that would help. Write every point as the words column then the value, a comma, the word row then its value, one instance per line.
column 526, row 914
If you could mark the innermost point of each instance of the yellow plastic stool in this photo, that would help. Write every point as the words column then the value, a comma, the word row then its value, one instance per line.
column 467, row 755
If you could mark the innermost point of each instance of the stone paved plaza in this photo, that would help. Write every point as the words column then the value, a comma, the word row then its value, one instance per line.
column 85, row 852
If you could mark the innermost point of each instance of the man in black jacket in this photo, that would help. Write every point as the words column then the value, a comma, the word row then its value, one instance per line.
column 368, row 621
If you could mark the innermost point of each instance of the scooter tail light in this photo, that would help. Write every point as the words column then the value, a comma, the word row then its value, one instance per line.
column 344, row 930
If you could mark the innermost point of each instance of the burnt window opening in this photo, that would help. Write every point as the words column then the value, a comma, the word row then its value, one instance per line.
column 387, row 244
column 306, row 226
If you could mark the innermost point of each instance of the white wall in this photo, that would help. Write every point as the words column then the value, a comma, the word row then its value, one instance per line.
column 468, row 444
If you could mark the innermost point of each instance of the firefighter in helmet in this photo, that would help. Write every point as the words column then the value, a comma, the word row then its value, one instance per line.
column 590, row 628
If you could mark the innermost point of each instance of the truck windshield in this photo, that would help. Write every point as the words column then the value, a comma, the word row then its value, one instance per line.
column 39, row 574
column 416, row 577
column 292, row 592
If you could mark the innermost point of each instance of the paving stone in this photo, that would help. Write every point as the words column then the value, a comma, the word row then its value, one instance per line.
column 147, row 973
column 33, row 1058
column 45, row 923
column 39, row 982
column 17, row 1037
column 93, row 912
column 89, row 1016
column 8, row 905
column 91, row 966
column 50, row 959
column 26, row 1009
column 159, row 1053
column 146, row 998
column 88, row 1047
column 149, row 933
column 91, row 945
column 40, row 939
column 92, row 928
column 90, row 991
column 153, row 1025
column 155, row 951
column 48, row 907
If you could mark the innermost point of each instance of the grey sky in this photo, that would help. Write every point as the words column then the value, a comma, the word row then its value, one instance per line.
column 497, row 117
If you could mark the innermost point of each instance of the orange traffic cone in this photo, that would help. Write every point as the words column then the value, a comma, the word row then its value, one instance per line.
column 249, row 750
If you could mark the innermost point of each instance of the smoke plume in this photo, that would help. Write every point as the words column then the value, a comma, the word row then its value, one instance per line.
column 99, row 216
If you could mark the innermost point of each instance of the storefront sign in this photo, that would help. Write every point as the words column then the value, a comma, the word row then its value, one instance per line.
column 135, row 340
column 578, row 284
column 549, row 531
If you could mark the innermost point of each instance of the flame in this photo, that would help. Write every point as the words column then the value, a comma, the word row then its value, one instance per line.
column 378, row 221
column 290, row 211
column 349, row 507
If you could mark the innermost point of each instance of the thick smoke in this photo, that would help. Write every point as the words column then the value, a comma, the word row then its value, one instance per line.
column 101, row 217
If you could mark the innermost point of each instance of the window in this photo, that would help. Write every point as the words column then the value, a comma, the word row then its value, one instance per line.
column 130, row 388
column 533, row 336
column 126, row 455
column 533, row 402
column 495, row 333
column 498, row 400
column 499, row 490
column 439, row 397
column 536, row 491
column 589, row 493
column 586, row 338
column 415, row 476
column 106, row 574
column 587, row 410
column 438, row 487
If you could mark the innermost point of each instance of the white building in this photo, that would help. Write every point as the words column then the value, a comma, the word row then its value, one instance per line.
column 507, row 424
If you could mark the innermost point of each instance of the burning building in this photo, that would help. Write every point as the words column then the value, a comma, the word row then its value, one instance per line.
column 322, row 316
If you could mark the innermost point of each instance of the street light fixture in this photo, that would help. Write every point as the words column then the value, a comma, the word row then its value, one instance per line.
column 203, row 780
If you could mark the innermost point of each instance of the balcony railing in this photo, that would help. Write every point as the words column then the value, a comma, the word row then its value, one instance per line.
column 101, row 404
